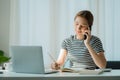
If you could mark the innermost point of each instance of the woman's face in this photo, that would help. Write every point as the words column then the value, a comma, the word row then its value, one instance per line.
column 81, row 26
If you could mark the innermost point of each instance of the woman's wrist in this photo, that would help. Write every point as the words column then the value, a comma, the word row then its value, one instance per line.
column 87, row 44
column 55, row 66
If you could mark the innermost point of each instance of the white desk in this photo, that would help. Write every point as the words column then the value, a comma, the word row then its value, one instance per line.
column 113, row 75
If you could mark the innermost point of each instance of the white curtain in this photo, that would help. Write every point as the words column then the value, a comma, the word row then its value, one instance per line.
column 48, row 22
column 109, row 27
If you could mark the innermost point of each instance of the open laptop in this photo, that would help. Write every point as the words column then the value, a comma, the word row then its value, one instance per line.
column 28, row 59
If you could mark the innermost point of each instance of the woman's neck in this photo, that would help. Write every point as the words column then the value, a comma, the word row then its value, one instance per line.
column 79, row 37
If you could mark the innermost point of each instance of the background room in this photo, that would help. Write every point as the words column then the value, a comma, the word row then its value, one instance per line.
column 48, row 22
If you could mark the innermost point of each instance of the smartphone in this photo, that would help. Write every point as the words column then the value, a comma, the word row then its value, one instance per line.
column 85, row 37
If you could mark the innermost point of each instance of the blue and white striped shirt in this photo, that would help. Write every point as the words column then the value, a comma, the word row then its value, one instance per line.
column 78, row 54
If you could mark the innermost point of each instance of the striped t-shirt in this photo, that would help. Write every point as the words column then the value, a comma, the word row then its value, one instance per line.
column 78, row 54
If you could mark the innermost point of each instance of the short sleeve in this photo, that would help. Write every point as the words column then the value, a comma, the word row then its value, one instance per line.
column 64, row 44
column 97, row 45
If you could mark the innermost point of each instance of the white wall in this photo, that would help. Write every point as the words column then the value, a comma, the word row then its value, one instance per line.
column 4, row 25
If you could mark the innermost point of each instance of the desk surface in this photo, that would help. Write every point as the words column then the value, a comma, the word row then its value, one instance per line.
column 113, row 75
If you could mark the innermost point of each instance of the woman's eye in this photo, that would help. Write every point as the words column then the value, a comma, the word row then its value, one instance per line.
column 84, row 26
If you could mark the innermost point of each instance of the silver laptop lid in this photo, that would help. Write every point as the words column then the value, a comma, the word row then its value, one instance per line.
column 27, row 59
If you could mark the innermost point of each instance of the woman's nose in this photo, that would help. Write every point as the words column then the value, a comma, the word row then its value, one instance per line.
column 79, row 27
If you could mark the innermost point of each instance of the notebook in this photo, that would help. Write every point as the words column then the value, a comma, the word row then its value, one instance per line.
column 83, row 71
column 90, row 72
column 28, row 59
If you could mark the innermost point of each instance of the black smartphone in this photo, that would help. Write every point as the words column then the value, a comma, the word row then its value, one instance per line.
column 85, row 37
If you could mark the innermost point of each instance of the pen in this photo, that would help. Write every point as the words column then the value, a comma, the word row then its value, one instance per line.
column 52, row 57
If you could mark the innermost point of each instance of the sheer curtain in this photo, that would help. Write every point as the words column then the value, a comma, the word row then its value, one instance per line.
column 109, row 27
column 48, row 22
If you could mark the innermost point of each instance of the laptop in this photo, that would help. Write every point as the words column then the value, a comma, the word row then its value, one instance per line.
column 28, row 59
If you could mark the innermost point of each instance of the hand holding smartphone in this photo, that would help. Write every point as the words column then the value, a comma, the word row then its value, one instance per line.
column 85, row 36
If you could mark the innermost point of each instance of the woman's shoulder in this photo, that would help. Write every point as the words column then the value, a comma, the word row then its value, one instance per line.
column 71, row 37
column 95, row 38
column 67, row 41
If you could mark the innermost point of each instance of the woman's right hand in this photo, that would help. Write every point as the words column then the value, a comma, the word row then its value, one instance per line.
column 55, row 66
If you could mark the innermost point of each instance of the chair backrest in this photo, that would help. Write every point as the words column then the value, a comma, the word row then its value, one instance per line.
column 113, row 64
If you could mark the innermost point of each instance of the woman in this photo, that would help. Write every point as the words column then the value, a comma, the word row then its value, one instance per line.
column 82, row 49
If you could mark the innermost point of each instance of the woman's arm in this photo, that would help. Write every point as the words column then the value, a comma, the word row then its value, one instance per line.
column 60, row 61
column 98, row 58
column 62, row 57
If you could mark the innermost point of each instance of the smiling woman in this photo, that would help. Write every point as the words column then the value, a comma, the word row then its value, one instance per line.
column 48, row 22
column 86, row 54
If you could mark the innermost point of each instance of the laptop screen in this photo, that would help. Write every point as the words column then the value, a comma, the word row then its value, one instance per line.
column 27, row 59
